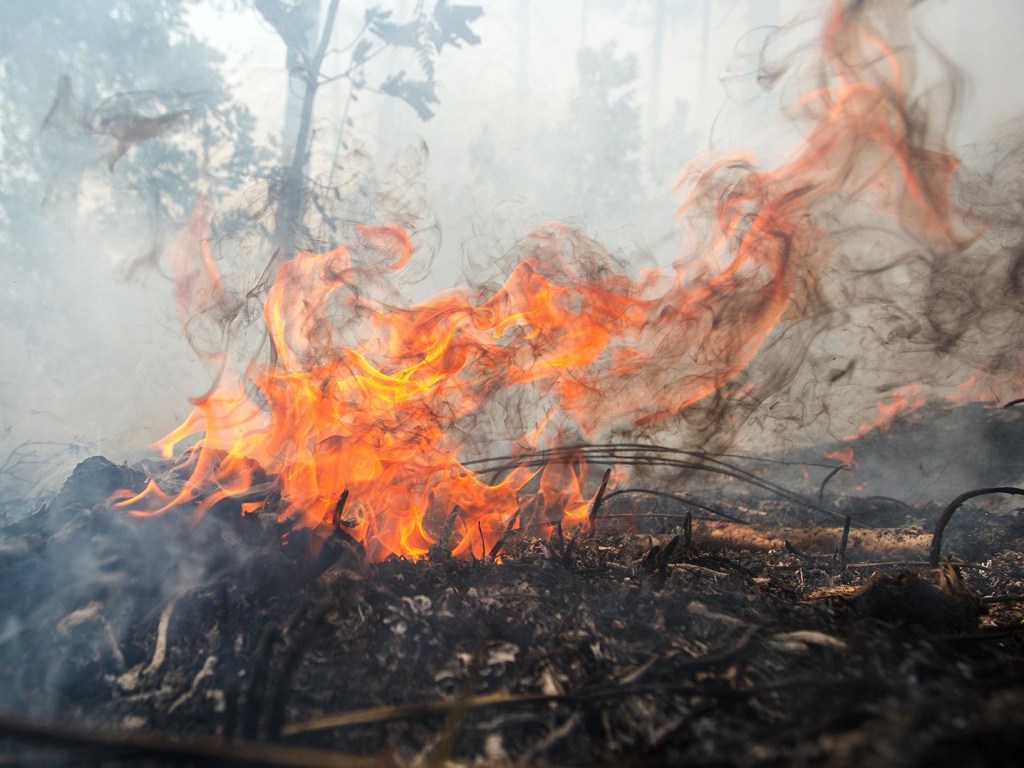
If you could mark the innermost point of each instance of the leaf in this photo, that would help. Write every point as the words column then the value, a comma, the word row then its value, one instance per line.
column 418, row 94
column 401, row 35
column 451, row 24
column 286, row 23
column 426, row 60
column 361, row 51
column 375, row 15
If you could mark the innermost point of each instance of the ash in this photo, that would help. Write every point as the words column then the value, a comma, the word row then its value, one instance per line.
column 167, row 640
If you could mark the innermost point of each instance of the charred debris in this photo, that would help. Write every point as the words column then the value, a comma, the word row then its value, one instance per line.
column 749, row 628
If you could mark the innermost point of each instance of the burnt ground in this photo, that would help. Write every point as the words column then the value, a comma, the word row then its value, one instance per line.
column 166, row 640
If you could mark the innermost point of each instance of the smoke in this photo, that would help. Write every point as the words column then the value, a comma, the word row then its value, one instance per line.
column 807, row 285
column 915, row 288
column 106, row 117
column 815, row 271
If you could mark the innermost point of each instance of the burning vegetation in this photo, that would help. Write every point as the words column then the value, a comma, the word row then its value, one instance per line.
column 502, row 525
column 382, row 403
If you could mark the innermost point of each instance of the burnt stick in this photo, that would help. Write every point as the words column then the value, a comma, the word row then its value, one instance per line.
column 829, row 476
column 598, row 498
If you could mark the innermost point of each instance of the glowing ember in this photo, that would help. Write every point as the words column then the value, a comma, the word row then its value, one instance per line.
column 380, row 400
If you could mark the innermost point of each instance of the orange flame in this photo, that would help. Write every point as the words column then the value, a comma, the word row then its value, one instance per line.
column 903, row 402
column 381, row 400
column 844, row 456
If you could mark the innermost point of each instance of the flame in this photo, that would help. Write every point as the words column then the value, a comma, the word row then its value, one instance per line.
column 844, row 456
column 976, row 388
column 903, row 402
column 381, row 401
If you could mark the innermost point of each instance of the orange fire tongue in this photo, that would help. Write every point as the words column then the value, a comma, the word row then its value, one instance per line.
column 379, row 400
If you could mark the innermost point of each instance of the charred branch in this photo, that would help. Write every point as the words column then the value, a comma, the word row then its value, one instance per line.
column 339, row 509
column 598, row 498
column 293, row 187
column 501, row 542
column 844, row 541
column 824, row 482
column 638, row 454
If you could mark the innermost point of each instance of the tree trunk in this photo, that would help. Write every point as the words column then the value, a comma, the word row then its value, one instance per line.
column 292, row 195
column 307, row 16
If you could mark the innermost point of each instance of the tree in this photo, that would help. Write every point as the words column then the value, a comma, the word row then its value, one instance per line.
column 307, row 39
column 112, row 113
column 113, row 95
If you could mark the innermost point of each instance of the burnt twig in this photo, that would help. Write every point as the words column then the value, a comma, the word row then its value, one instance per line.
column 387, row 713
column 655, row 562
column 598, row 498
column 819, row 559
column 501, row 542
column 639, row 454
column 988, row 633
column 844, row 541
column 997, row 599
column 676, row 497
column 442, row 548
column 954, row 505
column 829, row 476
column 909, row 564
column 568, row 550
column 339, row 509
column 552, row 738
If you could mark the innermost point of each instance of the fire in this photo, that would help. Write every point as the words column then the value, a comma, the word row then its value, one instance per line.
column 381, row 401
column 976, row 388
column 844, row 456
column 903, row 402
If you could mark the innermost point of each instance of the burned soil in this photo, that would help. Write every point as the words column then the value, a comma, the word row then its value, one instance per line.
column 764, row 639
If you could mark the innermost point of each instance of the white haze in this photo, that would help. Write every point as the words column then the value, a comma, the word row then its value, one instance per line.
column 100, row 364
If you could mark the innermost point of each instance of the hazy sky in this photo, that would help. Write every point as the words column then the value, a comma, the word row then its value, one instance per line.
column 520, row 82
column 483, row 84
